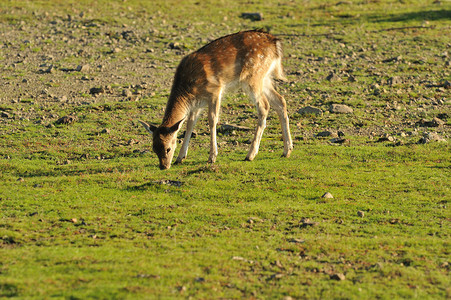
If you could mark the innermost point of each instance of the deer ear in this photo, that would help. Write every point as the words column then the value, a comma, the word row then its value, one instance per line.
column 150, row 128
column 177, row 126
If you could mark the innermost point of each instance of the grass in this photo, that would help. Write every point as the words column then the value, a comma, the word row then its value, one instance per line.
column 85, row 213
column 111, row 229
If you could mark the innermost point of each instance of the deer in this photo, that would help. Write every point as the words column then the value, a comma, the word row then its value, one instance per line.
column 249, row 60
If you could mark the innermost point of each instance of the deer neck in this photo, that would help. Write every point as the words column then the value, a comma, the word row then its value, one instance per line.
column 176, row 109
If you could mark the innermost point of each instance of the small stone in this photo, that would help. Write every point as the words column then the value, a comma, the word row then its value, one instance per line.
column 327, row 195
column 127, row 93
column 66, row 120
column 82, row 68
column 360, row 213
column 395, row 80
column 228, row 128
column 297, row 241
column 327, row 133
column 5, row 115
column 332, row 77
column 106, row 130
column 338, row 276
column 175, row 46
column 307, row 222
column 310, row 110
column 340, row 109
column 252, row 16
column 435, row 122
column 352, row 79
column 340, row 140
column 386, row 138
column 96, row 90
column 49, row 70
column 20, row 179
column 429, row 137
column 62, row 99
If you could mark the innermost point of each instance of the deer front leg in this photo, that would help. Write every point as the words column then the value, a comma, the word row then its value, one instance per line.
column 262, row 109
column 191, row 122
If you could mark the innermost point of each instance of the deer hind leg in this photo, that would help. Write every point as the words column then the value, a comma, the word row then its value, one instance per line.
column 190, row 123
column 262, row 111
column 213, row 117
column 279, row 104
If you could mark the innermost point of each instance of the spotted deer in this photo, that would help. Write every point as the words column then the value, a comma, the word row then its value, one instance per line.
column 248, row 59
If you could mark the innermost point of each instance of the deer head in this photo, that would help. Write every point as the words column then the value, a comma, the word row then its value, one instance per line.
column 164, row 142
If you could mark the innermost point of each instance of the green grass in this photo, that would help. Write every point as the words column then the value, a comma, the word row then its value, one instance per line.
column 87, row 214
column 110, row 229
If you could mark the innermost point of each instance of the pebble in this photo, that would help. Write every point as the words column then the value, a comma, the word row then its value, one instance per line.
column 252, row 16
column 332, row 77
column 327, row 133
column 127, row 93
column 310, row 110
column 429, row 137
column 338, row 276
column 5, row 115
column 66, row 120
column 360, row 213
column 340, row 109
column 82, row 68
column 395, row 80
column 327, row 195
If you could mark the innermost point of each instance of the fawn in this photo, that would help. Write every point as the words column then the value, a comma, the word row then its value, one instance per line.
column 248, row 59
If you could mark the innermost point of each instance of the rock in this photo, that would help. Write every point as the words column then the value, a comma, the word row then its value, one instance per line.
column 332, row 77
column 175, row 46
column 339, row 140
column 395, row 59
column 252, row 16
column 307, row 222
column 340, row 109
column 429, row 137
column 395, row 80
column 127, row 93
column 96, row 90
column 5, row 115
column 82, row 68
column 338, row 276
column 193, row 135
column 310, row 110
column 327, row 195
column 228, row 128
column 49, row 70
column 360, row 213
column 296, row 241
column 352, row 79
column 327, row 133
column 386, row 138
column 435, row 122
column 61, row 99
column 66, row 120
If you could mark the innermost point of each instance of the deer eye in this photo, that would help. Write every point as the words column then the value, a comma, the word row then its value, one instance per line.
column 168, row 150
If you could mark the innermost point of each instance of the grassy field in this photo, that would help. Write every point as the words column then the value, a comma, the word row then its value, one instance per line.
column 85, row 212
